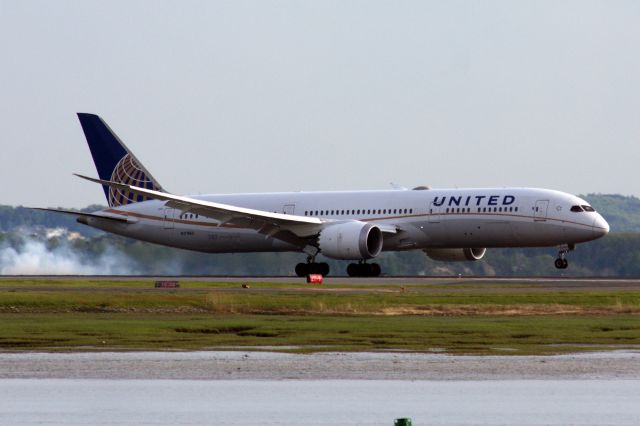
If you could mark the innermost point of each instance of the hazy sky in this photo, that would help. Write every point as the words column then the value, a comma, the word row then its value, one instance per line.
column 250, row 96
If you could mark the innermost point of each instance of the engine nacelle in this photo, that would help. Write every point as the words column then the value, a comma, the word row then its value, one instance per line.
column 455, row 255
column 351, row 241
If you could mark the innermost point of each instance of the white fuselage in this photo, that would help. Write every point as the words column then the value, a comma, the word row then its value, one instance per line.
column 425, row 219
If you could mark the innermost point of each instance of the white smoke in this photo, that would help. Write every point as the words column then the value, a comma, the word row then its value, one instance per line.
column 33, row 256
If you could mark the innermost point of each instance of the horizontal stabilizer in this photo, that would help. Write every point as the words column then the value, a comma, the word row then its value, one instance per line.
column 83, row 214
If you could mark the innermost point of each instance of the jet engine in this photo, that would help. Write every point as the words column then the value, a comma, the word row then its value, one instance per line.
column 351, row 241
column 458, row 254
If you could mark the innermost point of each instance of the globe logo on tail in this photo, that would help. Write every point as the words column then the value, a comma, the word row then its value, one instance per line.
column 129, row 172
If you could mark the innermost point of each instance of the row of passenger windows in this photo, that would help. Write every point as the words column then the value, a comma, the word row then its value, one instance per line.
column 188, row 216
column 480, row 209
column 358, row 211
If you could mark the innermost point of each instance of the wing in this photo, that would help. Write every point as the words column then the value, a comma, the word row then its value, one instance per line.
column 290, row 228
column 293, row 229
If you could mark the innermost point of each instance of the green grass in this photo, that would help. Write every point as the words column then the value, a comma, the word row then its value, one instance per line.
column 467, row 335
column 286, row 301
column 129, row 315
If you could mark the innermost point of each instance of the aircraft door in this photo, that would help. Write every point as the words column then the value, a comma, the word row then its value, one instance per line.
column 434, row 213
column 289, row 209
column 540, row 210
column 168, row 222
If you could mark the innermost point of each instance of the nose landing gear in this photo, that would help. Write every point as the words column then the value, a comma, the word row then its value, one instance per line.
column 561, row 262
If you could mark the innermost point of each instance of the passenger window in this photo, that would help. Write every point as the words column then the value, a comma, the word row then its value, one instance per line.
column 410, row 211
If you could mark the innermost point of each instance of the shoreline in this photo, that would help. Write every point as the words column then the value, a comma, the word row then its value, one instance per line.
column 251, row 365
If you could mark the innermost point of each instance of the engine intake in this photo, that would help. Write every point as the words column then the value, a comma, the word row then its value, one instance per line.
column 456, row 255
column 351, row 241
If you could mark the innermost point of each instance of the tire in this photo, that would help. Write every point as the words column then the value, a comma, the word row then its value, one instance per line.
column 324, row 269
column 302, row 270
column 565, row 263
column 375, row 270
column 352, row 270
column 559, row 263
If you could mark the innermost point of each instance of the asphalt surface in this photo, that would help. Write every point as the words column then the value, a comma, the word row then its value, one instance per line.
column 427, row 284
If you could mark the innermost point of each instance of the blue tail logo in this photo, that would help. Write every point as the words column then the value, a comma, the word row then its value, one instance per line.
column 115, row 162
column 129, row 172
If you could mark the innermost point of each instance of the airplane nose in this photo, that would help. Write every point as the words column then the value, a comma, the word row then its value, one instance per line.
column 600, row 227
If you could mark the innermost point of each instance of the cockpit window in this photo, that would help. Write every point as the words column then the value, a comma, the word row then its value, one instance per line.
column 576, row 209
column 588, row 209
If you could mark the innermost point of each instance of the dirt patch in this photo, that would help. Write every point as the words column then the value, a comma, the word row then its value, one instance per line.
column 508, row 310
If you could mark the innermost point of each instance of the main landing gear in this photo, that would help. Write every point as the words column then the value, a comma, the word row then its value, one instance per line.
column 311, row 267
column 362, row 269
column 562, row 262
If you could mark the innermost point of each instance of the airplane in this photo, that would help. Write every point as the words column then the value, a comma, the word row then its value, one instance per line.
column 446, row 224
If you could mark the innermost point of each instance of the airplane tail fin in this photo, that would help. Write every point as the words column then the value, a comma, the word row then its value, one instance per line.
column 115, row 162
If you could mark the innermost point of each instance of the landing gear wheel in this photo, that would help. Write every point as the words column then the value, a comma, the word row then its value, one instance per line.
column 302, row 269
column 562, row 262
column 323, row 269
column 352, row 270
column 363, row 270
column 375, row 270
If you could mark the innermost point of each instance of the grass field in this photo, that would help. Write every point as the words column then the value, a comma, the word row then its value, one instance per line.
column 514, row 318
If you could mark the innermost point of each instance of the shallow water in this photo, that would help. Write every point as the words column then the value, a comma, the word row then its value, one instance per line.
column 318, row 402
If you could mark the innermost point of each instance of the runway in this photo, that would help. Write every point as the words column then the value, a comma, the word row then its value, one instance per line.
column 415, row 283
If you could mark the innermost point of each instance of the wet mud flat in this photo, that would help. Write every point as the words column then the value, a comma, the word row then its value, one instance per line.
column 264, row 365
